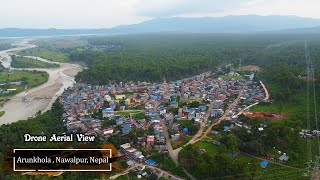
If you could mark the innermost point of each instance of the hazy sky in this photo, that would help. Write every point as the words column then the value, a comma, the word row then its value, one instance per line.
column 109, row 13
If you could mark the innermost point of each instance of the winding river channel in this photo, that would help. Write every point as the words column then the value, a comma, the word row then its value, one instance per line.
column 29, row 102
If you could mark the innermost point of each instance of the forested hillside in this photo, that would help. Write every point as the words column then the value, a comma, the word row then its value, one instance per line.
column 153, row 57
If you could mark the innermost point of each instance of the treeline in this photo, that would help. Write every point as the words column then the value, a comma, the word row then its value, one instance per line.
column 50, row 122
column 153, row 57
column 24, row 62
column 5, row 46
column 11, row 136
column 158, row 56
column 204, row 165
column 284, row 71
column 260, row 143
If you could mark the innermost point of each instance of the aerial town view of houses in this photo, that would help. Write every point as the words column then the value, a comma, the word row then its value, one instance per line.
column 140, row 117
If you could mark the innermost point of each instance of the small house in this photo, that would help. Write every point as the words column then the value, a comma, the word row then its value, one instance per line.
column 264, row 164
column 174, row 104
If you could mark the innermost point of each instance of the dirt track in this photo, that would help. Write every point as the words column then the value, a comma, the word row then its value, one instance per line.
column 39, row 98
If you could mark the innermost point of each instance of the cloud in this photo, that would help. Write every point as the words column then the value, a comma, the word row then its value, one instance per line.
column 168, row 8
column 109, row 13
column 67, row 13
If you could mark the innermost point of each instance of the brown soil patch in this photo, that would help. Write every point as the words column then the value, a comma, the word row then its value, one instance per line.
column 264, row 115
column 249, row 68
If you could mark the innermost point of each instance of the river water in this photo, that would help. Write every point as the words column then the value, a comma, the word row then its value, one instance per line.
column 39, row 98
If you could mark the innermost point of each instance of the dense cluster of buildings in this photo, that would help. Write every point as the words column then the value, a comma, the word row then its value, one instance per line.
column 86, row 106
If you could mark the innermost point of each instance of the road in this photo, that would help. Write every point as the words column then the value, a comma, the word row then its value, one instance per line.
column 267, row 97
column 266, row 92
column 165, row 173
column 174, row 154
column 59, row 79
column 223, row 117
column 122, row 173
column 263, row 159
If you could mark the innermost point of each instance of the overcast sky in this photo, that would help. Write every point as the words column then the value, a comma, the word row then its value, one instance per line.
column 110, row 13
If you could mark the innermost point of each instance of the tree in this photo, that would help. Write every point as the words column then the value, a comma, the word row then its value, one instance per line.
column 230, row 140
column 152, row 177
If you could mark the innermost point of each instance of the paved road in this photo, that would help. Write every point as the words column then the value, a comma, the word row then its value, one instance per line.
column 165, row 173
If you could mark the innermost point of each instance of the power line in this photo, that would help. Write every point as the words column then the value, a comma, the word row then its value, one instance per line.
column 308, row 98
column 315, row 106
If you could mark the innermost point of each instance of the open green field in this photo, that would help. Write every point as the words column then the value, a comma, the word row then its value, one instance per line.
column 227, row 77
column 127, row 176
column 249, row 68
column 182, row 141
column 61, row 42
column 273, row 171
column 29, row 79
column 24, row 62
column 127, row 113
column 46, row 54
column 294, row 111
column 209, row 147
column 2, row 113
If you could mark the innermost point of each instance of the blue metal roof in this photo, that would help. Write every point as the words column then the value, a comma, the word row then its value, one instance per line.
column 120, row 120
column 107, row 110
column 150, row 162
column 174, row 102
column 264, row 163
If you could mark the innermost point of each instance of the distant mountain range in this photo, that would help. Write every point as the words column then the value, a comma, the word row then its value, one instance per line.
column 227, row 24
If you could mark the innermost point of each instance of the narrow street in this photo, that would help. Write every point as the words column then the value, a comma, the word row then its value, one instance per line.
column 174, row 154
column 165, row 173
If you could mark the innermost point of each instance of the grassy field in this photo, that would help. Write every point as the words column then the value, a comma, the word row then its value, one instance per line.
column 227, row 77
column 295, row 112
column 61, row 42
column 127, row 114
column 182, row 141
column 2, row 102
column 46, row 54
column 24, row 62
column 29, row 79
column 248, row 68
column 127, row 176
column 209, row 147
column 273, row 171
column 2, row 113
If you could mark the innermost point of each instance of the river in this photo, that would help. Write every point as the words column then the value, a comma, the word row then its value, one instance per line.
column 41, row 97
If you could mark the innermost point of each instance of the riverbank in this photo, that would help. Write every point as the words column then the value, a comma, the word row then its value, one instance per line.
column 28, row 103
